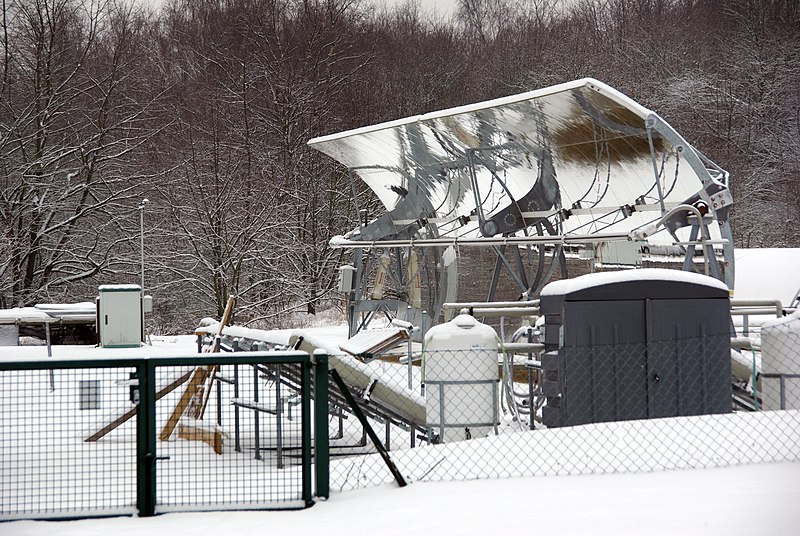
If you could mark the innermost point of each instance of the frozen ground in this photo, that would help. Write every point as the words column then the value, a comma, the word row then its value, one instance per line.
column 746, row 500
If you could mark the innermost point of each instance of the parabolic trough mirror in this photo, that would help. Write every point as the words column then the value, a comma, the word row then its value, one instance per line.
column 577, row 163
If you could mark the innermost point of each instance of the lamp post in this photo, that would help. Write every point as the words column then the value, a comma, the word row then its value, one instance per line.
column 141, row 249
column 141, row 235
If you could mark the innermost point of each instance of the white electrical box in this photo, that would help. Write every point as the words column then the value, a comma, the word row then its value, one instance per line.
column 119, row 316
column 147, row 304
column 625, row 253
column 347, row 275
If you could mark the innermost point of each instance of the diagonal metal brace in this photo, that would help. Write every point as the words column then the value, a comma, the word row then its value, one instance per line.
column 367, row 428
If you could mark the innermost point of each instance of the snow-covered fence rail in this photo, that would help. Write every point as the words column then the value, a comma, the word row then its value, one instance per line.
column 89, row 437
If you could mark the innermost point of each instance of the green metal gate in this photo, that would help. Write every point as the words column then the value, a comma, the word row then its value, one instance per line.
column 97, row 437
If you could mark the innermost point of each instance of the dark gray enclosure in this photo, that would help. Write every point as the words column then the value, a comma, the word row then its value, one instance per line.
column 636, row 345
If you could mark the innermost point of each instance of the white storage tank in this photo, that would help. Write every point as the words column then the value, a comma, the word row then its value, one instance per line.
column 461, row 379
column 780, row 363
column 119, row 316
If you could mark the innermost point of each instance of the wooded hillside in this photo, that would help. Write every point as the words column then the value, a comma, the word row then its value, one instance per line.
column 205, row 108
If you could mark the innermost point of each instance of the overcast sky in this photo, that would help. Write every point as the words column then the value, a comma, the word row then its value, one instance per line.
column 441, row 7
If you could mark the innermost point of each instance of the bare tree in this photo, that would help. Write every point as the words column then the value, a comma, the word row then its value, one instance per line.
column 246, row 208
column 71, row 119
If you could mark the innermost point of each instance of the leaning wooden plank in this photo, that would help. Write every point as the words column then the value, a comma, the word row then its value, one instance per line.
column 200, row 411
column 199, row 377
column 131, row 412
column 226, row 316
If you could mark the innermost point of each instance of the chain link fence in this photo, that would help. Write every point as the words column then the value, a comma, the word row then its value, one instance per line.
column 98, row 437
column 663, row 404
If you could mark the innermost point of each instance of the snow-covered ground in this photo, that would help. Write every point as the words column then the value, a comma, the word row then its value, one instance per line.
column 737, row 499
column 743, row 500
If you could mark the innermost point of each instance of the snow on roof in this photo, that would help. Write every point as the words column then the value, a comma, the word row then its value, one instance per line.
column 49, row 312
column 118, row 288
column 767, row 274
column 83, row 307
column 567, row 286
column 24, row 314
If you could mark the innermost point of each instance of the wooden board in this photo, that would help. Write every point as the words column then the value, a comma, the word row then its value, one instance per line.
column 131, row 412
column 211, row 437
column 197, row 393
column 200, row 374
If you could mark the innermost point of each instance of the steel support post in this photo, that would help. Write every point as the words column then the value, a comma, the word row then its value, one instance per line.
column 146, row 440
column 321, row 440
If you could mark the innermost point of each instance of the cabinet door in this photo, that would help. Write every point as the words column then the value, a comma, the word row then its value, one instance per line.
column 121, row 319
column 688, row 362
column 605, row 361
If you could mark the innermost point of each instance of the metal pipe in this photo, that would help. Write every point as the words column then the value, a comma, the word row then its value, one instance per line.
column 653, row 228
column 719, row 242
column 763, row 311
column 758, row 303
column 237, row 438
column 255, row 412
column 50, row 354
column 141, row 235
column 279, row 417
column 650, row 124
column 461, row 305
column 339, row 242
column 523, row 347
column 141, row 250
column 529, row 334
column 490, row 311
column 410, row 366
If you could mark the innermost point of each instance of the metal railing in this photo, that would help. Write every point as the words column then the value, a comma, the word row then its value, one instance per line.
column 756, row 308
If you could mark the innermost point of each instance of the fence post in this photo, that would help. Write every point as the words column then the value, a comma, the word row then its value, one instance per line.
column 305, row 420
column 146, row 440
column 321, row 441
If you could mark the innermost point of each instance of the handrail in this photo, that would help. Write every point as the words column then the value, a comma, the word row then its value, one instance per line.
column 778, row 306
column 495, row 305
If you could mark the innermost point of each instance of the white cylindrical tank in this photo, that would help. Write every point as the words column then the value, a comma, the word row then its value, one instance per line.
column 780, row 360
column 461, row 379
